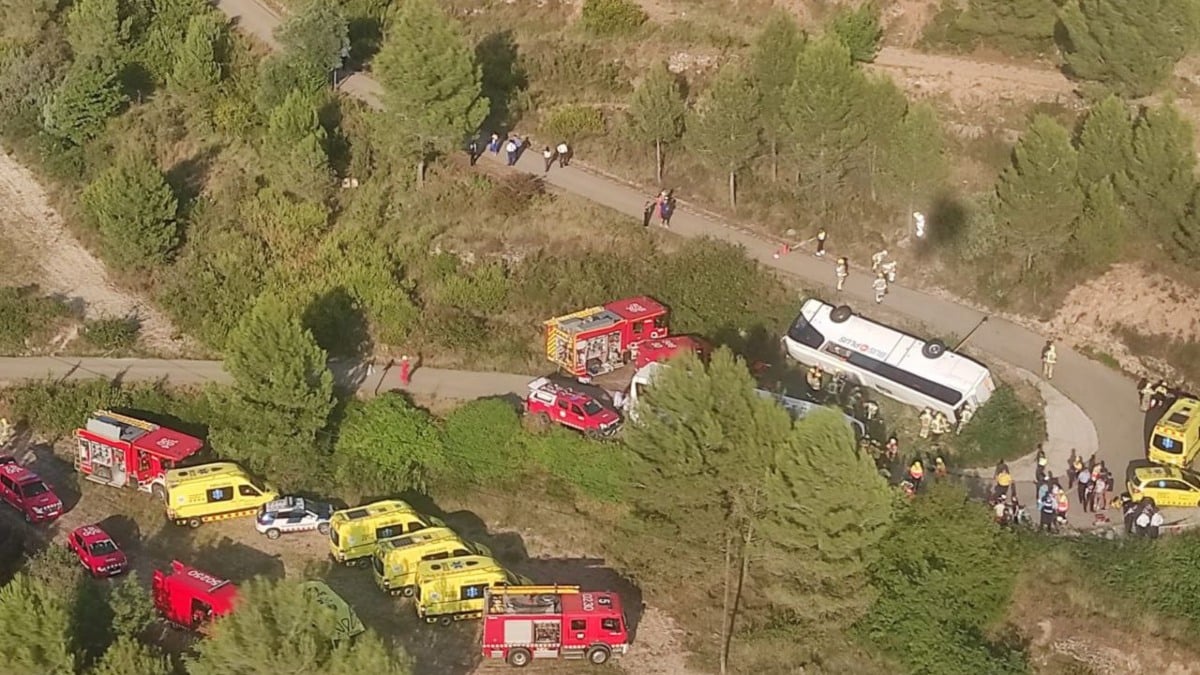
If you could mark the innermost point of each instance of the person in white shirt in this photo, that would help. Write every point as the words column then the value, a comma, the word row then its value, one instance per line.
column 564, row 154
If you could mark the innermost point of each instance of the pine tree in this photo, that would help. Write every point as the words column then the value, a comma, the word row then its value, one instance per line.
column 825, row 123
column 1128, row 46
column 134, row 209
column 281, row 397
column 278, row 628
column 1039, row 195
column 160, row 41
column 387, row 446
column 126, row 656
column 881, row 109
column 295, row 147
column 1013, row 25
column 79, row 108
column 773, row 60
column 95, row 29
column 1105, row 141
column 725, row 129
column 196, row 61
column 915, row 163
column 132, row 609
column 287, row 225
column 828, row 511
column 280, row 75
column 656, row 113
column 1101, row 232
column 1159, row 182
column 317, row 33
column 36, row 633
column 858, row 30
column 431, row 80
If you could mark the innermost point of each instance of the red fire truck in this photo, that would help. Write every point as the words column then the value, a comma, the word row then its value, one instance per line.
column 119, row 450
column 599, row 340
column 522, row 623
column 190, row 598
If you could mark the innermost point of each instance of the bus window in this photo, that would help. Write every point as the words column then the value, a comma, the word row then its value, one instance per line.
column 803, row 332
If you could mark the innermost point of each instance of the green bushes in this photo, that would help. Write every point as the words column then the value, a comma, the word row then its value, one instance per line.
column 572, row 122
column 23, row 314
column 112, row 334
column 615, row 18
column 58, row 408
column 1005, row 428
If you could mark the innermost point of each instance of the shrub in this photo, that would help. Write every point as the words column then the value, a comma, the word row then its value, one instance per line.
column 23, row 313
column 478, row 437
column 386, row 446
column 515, row 193
column 573, row 122
column 57, row 408
column 112, row 334
column 482, row 291
column 1003, row 429
column 612, row 17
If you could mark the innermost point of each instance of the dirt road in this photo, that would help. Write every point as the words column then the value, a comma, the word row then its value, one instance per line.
column 963, row 77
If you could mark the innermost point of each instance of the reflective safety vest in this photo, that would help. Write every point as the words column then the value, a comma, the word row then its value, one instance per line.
column 1004, row 479
column 1063, row 504
column 916, row 470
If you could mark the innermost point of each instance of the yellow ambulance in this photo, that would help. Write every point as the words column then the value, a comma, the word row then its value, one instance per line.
column 216, row 491
column 1175, row 440
column 452, row 589
column 395, row 561
column 354, row 533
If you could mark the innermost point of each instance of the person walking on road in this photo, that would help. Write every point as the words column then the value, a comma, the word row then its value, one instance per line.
column 473, row 151
column 1084, row 487
column 877, row 261
column 1049, row 358
column 405, row 370
column 881, row 287
column 666, row 208
column 548, row 156
column 1145, row 394
column 564, row 155
column 926, row 420
column 821, row 242
column 889, row 271
column 842, row 271
column 511, row 148
column 494, row 143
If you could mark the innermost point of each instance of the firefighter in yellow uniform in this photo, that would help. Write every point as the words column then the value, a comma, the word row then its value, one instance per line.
column 964, row 416
column 940, row 427
column 1049, row 358
column 814, row 378
column 926, row 421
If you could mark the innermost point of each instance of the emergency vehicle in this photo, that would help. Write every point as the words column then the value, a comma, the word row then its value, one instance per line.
column 354, row 533
column 599, row 340
column 26, row 492
column 119, row 450
column 211, row 492
column 1176, row 437
column 549, row 402
column 523, row 623
column 394, row 564
column 190, row 598
column 453, row 589
column 96, row 551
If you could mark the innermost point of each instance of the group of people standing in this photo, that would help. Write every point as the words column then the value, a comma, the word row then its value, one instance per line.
column 514, row 146
column 663, row 206
column 882, row 267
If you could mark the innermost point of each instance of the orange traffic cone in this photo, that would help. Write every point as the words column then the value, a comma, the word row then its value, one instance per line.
column 783, row 249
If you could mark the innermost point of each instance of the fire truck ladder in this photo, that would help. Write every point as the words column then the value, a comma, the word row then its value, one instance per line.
column 527, row 599
column 126, row 420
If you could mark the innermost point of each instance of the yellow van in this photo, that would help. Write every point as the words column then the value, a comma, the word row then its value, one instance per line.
column 395, row 562
column 1175, row 440
column 353, row 533
column 451, row 590
column 216, row 491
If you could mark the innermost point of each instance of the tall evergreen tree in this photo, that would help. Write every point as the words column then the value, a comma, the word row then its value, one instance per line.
column 824, row 121
column 1105, row 141
column 295, row 147
column 79, row 108
column 160, row 41
column 1159, row 182
column 126, row 656
column 915, row 164
column 773, row 59
column 282, row 393
column 1100, row 233
column 725, row 129
column 656, row 113
column 196, row 67
column 134, row 210
column 280, row 628
column 36, row 632
column 1128, row 46
column 858, row 30
column 1039, row 195
column 431, row 80
column 828, row 511
column 881, row 110
column 316, row 33
column 96, row 29
column 388, row 446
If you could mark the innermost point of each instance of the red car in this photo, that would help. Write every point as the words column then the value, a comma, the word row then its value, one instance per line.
column 23, row 490
column 548, row 402
column 97, row 551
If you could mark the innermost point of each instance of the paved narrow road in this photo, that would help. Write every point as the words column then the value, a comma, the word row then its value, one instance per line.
column 1106, row 396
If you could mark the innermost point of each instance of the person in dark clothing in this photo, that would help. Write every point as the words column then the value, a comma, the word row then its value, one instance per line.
column 666, row 209
column 473, row 150
column 1048, row 508
column 647, row 213
column 1129, row 511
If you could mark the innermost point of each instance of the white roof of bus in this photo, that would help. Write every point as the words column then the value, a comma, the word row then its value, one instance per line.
column 893, row 347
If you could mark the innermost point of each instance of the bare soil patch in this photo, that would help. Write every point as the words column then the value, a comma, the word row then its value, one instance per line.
column 48, row 255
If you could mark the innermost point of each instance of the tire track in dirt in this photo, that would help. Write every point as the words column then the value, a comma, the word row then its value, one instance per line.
column 32, row 226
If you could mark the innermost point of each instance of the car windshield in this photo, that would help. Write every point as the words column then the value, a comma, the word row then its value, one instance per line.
column 592, row 408
column 34, row 489
column 103, row 548
column 1193, row 481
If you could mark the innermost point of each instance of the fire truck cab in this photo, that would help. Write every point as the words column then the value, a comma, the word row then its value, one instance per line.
column 599, row 340
column 119, row 450
column 190, row 598
column 522, row 623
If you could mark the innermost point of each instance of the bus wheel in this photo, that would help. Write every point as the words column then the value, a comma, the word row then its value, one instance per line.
column 519, row 657
column 840, row 314
column 193, row 523
column 933, row 349
column 598, row 655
